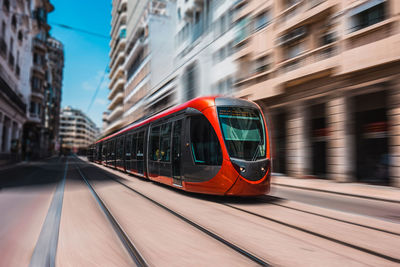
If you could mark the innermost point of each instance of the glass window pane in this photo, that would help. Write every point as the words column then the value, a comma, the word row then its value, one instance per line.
column 205, row 146
column 244, row 132
column 139, row 153
column 134, row 141
column 155, row 154
column 165, row 142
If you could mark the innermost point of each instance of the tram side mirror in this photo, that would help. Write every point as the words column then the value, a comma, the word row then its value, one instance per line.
column 192, row 112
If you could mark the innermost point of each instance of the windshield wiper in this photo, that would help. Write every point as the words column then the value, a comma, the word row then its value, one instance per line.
column 256, row 152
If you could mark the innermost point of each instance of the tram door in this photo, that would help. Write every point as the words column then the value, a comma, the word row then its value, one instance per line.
column 176, row 152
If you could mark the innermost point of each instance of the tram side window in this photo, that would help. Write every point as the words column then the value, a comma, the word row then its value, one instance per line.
column 205, row 146
column 120, row 148
column 140, row 150
column 128, row 147
column 155, row 154
column 134, row 140
column 165, row 142
column 112, row 149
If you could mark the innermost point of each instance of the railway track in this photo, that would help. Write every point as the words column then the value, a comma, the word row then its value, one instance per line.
column 293, row 226
column 267, row 200
column 131, row 248
column 126, row 241
column 302, row 229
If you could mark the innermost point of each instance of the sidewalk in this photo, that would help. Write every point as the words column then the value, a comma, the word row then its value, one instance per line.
column 382, row 193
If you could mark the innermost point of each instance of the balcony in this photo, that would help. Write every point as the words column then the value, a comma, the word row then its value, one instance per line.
column 303, row 11
column 116, row 72
column 119, row 46
column 118, row 86
column 243, row 50
column 321, row 62
column 117, row 60
column 114, row 79
column 37, row 93
column 115, row 114
column 121, row 21
column 373, row 54
column 38, row 44
column 118, row 99
column 315, row 63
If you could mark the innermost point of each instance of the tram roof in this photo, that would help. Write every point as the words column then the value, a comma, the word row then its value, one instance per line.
column 199, row 103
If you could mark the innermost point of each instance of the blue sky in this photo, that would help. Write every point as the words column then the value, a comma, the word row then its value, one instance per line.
column 86, row 56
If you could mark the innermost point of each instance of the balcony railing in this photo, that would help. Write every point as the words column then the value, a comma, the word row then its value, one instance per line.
column 38, row 43
column 308, row 58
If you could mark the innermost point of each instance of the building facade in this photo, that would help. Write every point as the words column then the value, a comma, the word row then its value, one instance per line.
column 13, row 97
column 141, row 58
column 52, row 96
column 41, row 127
column 77, row 130
column 30, row 92
column 204, row 45
column 114, row 119
column 326, row 72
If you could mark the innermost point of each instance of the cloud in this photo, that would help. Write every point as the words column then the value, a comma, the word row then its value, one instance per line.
column 100, row 102
column 92, row 83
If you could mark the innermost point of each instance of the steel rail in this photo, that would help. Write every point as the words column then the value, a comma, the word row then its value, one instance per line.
column 128, row 244
column 215, row 236
column 365, row 250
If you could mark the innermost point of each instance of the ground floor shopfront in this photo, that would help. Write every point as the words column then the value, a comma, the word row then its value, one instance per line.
column 342, row 128
column 12, row 118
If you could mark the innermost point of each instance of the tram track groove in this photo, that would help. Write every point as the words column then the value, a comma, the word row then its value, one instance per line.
column 365, row 250
column 211, row 234
column 126, row 241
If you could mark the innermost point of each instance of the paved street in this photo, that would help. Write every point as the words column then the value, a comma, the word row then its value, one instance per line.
column 68, row 212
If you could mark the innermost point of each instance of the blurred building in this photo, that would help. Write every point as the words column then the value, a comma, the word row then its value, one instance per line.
column 45, row 80
column 14, row 92
column 53, row 90
column 203, row 57
column 117, row 59
column 327, row 74
column 31, row 64
column 141, row 58
column 149, row 62
column 77, row 130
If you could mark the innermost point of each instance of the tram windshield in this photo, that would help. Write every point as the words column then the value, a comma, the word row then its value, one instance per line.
column 244, row 132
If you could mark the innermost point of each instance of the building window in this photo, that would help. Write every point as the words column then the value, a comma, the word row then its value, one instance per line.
column 261, row 64
column 261, row 21
column 367, row 14
column 294, row 50
column 13, row 22
column 20, row 36
column 6, row 5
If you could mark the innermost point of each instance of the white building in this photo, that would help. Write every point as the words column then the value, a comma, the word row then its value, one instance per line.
column 77, row 131
column 203, row 60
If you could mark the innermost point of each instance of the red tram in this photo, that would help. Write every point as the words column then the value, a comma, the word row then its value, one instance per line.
column 210, row 145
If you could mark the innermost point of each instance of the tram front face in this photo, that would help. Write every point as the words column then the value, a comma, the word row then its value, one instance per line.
column 244, row 134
